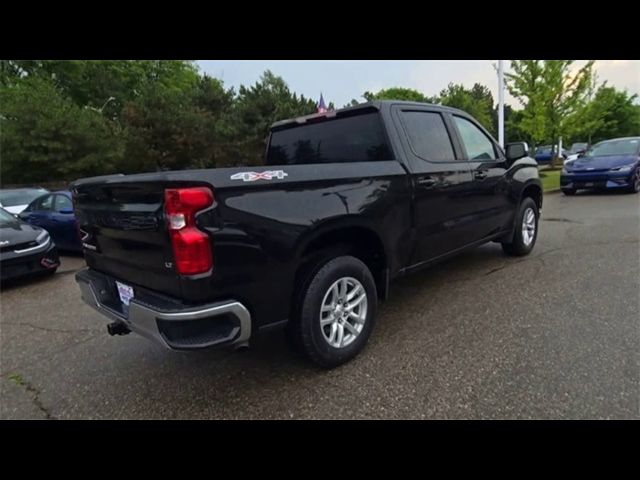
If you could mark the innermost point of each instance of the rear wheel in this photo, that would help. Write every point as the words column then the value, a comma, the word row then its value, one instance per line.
column 526, row 229
column 337, row 313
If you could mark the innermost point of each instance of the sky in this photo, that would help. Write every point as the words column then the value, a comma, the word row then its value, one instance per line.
column 342, row 80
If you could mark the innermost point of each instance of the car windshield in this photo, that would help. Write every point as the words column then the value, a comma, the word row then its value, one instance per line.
column 11, row 198
column 6, row 218
column 578, row 146
column 615, row 147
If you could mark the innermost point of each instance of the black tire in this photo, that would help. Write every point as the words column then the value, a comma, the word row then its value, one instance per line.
column 569, row 191
column 304, row 332
column 518, row 246
column 635, row 182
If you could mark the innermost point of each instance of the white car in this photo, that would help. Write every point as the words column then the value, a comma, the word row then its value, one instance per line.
column 17, row 199
column 577, row 148
column 570, row 158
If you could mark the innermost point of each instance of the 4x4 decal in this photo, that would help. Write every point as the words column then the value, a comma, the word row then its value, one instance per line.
column 253, row 176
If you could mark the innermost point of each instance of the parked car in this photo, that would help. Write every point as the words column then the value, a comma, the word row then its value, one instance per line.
column 575, row 150
column 24, row 249
column 578, row 147
column 543, row 154
column 54, row 212
column 612, row 164
column 347, row 201
column 15, row 200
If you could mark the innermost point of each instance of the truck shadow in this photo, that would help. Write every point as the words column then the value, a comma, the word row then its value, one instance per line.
column 270, row 349
column 227, row 379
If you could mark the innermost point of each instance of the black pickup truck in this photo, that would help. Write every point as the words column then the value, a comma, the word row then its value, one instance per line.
column 345, row 202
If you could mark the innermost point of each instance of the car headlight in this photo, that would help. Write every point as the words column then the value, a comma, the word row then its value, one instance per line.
column 624, row 168
column 43, row 237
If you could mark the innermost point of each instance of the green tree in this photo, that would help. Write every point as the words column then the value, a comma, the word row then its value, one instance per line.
column 176, row 128
column 513, row 120
column 256, row 108
column 92, row 83
column 352, row 103
column 551, row 93
column 46, row 136
column 611, row 113
column 397, row 93
column 477, row 102
column 524, row 82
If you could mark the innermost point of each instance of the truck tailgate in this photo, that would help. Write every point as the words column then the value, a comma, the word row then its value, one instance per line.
column 123, row 231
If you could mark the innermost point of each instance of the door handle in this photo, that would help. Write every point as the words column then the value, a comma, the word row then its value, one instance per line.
column 480, row 174
column 426, row 181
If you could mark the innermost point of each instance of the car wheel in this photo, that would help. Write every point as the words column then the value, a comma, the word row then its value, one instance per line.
column 634, row 186
column 526, row 229
column 569, row 191
column 337, row 313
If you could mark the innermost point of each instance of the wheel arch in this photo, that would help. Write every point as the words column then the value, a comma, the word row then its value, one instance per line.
column 532, row 189
column 344, row 236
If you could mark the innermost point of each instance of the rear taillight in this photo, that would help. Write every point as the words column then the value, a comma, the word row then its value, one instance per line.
column 191, row 246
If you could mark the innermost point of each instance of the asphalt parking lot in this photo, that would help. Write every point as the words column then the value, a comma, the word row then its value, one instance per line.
column 552, row 335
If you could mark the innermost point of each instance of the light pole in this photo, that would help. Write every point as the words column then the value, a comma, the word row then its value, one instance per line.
column 501, row 102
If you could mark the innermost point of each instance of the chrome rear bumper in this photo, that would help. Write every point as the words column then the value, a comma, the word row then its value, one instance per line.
column 227, row 323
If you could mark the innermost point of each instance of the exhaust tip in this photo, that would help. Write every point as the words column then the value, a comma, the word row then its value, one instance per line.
column 118, row 328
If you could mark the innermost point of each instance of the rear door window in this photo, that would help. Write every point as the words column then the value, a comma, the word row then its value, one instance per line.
column 43, row 204
column 63, row 203
column 428, row 136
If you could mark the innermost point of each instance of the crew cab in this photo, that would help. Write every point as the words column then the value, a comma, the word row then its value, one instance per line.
column 345, row 202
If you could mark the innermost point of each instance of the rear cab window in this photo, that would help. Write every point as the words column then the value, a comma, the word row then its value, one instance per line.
column 356, row 138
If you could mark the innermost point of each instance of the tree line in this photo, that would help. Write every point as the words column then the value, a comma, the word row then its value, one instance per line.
column 556, row 100
column 61, row 120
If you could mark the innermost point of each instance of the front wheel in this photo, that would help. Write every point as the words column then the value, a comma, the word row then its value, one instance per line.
column 337, row 312
column 569, row 191
column 526, row 229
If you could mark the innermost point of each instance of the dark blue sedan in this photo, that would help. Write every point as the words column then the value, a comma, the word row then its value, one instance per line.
column 543, row 154
column 612, row 164
column 54, row 213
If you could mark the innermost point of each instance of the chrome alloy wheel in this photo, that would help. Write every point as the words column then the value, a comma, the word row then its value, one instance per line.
column 528, row 226
column 343, row 312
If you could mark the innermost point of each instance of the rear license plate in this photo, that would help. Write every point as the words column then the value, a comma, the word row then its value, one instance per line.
column 125, row 292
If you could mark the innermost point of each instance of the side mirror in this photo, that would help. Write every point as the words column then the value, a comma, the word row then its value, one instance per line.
column 66, row 211
column 517, row 150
